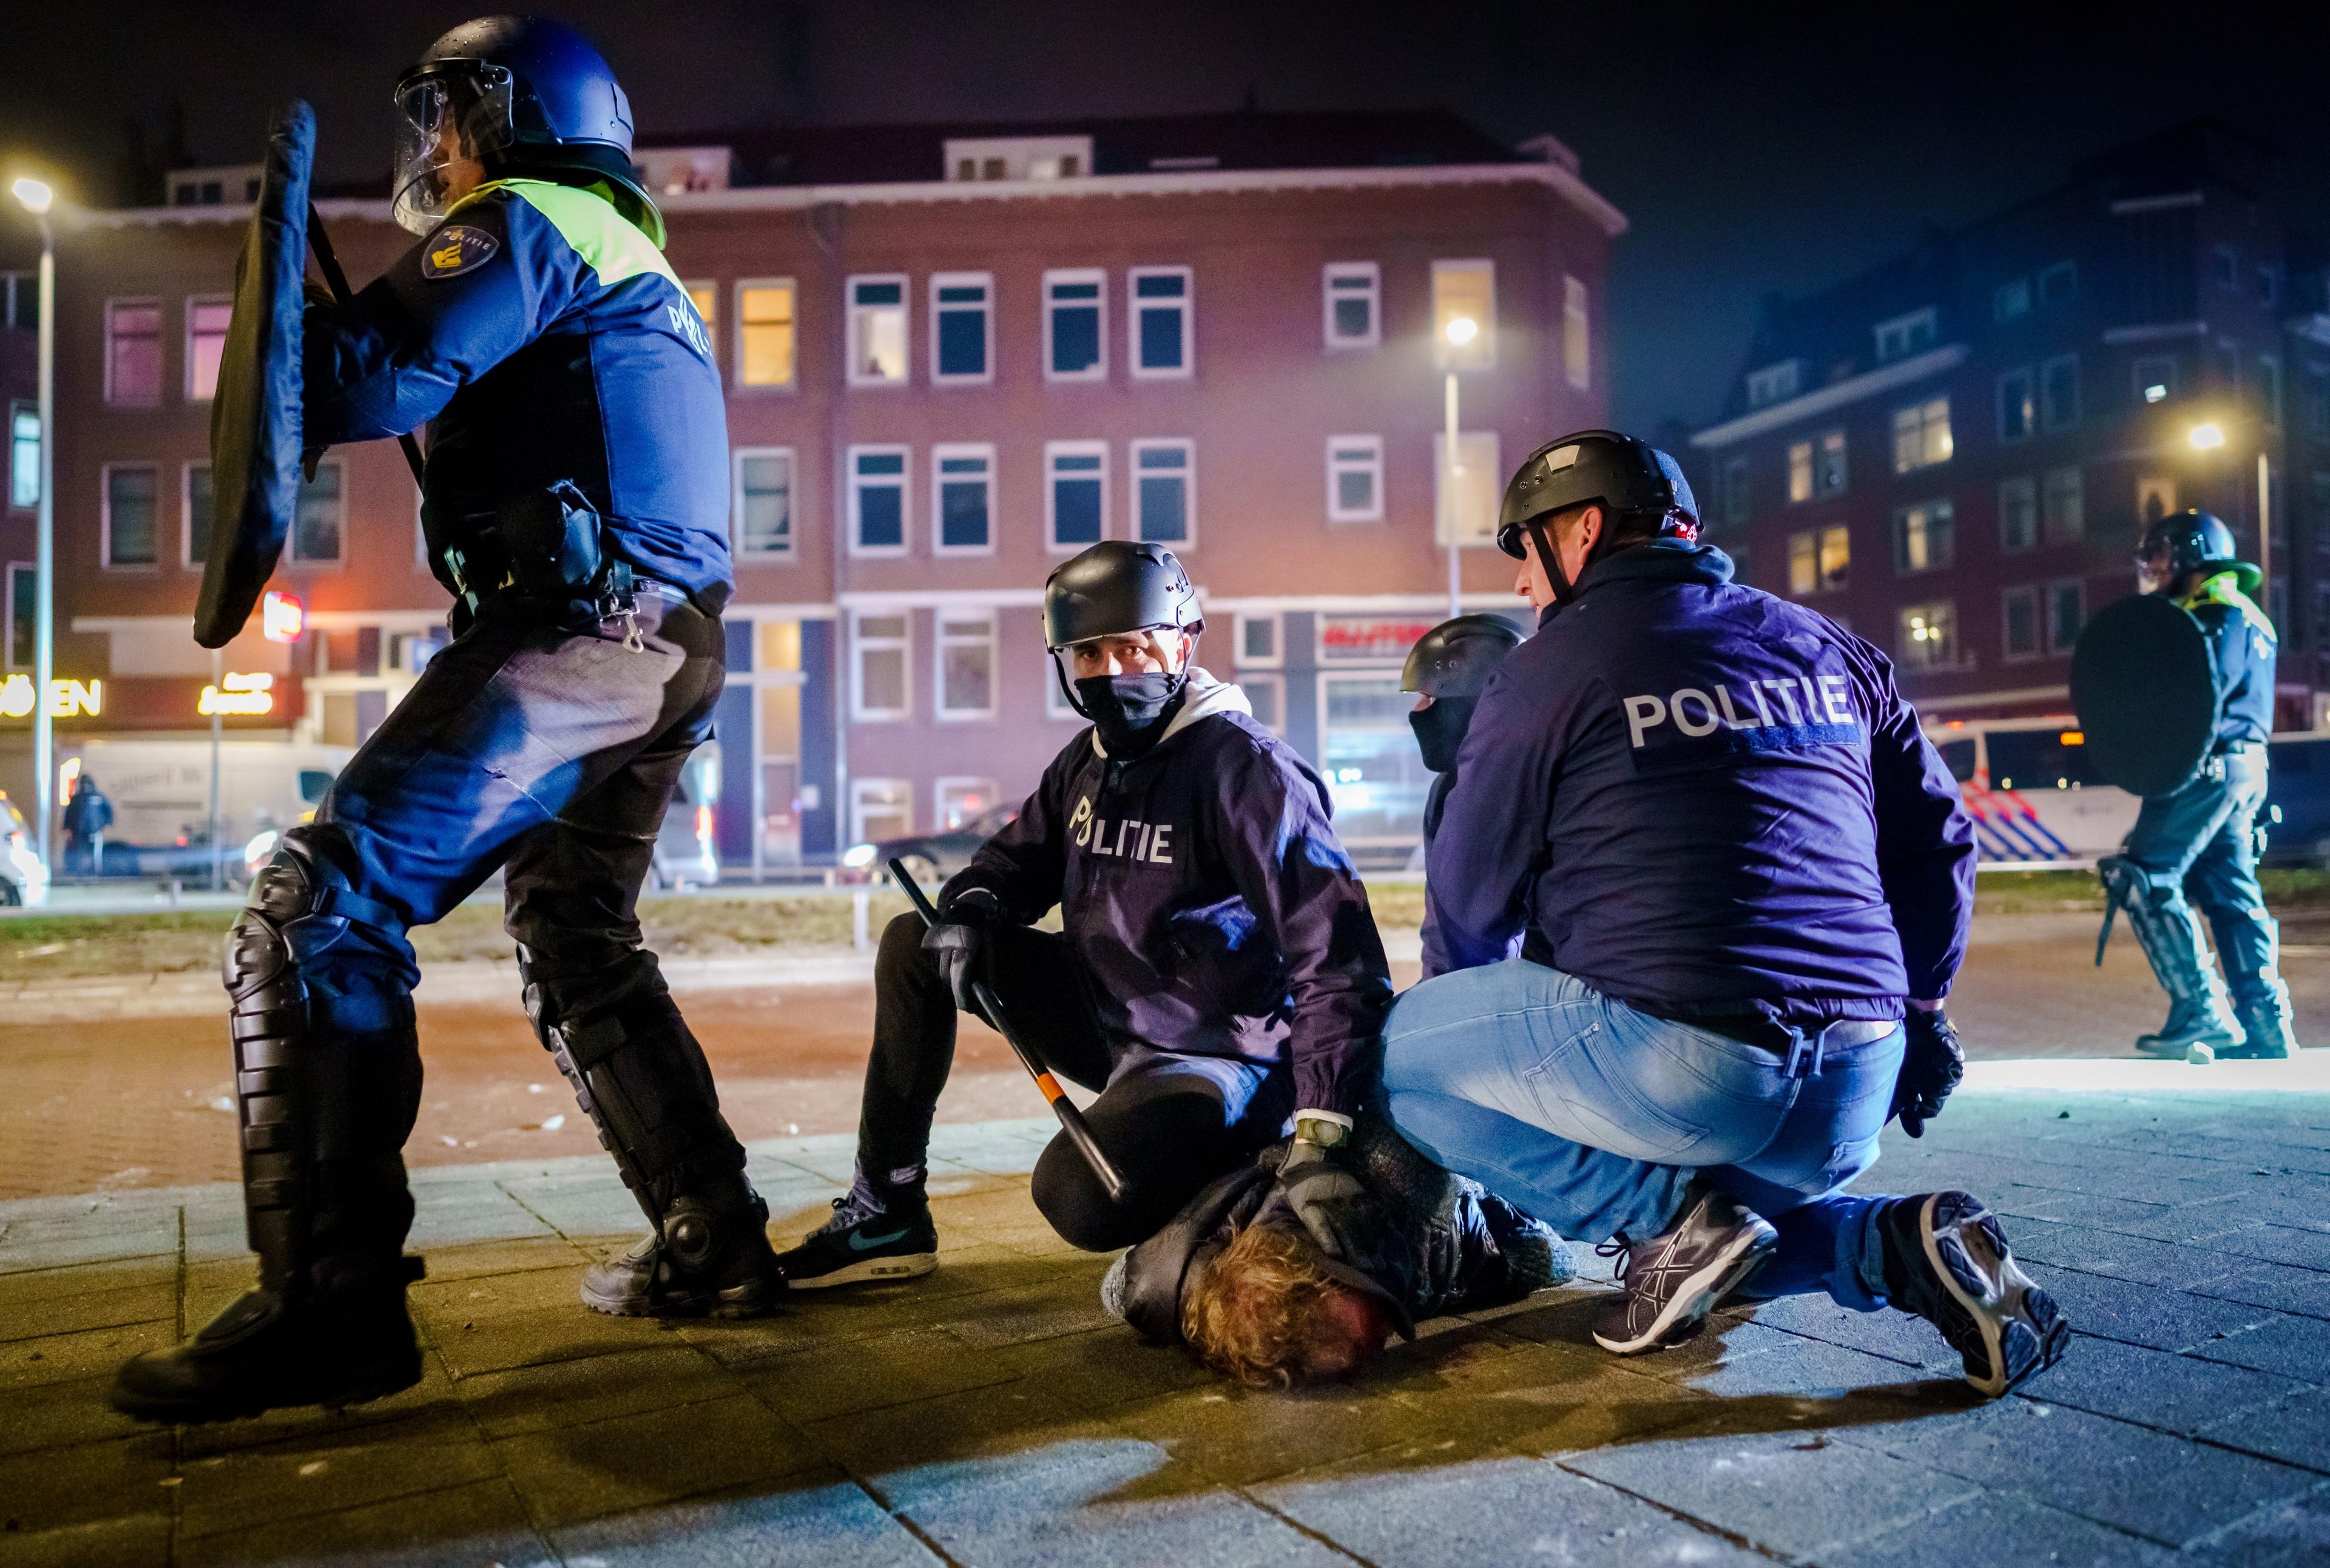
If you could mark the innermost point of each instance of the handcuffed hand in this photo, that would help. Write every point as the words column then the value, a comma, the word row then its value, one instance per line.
column 1931, row 1067
column 960, row 941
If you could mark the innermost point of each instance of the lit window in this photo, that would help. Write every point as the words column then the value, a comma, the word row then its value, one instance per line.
column 2067, row 612
column 198, row 513
column 879, row 691
column 1800, row 471
column 1162, row 324
column 1921, row 434
column 966, row 673
column 2020, row 607
column 1928, row 636
column 2064, row 513
column 1906, row 335
column 2018, row 514
column 1076, row 324
column 1355, row 478
column 206, row 324
column 2018, row 407
column 132, row 516
column 1350, row 305
column 133, row 352
column 1820, row 560
column 2059, row 391
column 764, row 502
column 1464, row 292
column 2155, row 498
column 1164, row 484
column 962, row 500
column 765, row 333
column 1924, row 537
column 316, row 520
column 1774, row 383
column 1075, row 494
column 1576, row 338
column 2009, row 299
column 877, row 330
column 23, row 455
column 962, row 329
column 877, row 500
column 2059, row 284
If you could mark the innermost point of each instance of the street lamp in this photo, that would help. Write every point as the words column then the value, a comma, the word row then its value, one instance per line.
column 2208, row 436
column 36, row 199
column 1460, row 331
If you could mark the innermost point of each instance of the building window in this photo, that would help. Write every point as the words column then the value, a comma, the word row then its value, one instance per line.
column 1076, row 324
column 24, row 614
column 1355, row 478
column 133, row 352
column 1349, row 304
column 2021, row 606
column 1921, row 436
column 206, row 324
column 2009, row 299
column 1774, row 383
column 2269, row 390
column 764, row 502
column 1164, row 492
column 1924, row 537
column 764, row 332
column 2067, row 612
column 878, row 689
column 1929, row 636
column 2059, row 284
column 1800, row 471
column 966, row 673
column 1056, row 696
column 2063, row 514
column 962, row 500
column 1162, row 326
column 132, row 515
column 962, row 801
column 2156, row 377
column 1906, row 335
column 1075, row 494
column 877, row 500
column 1466, row 493
column 1464, row 292
column 1577, row 335
column 1266, row 698
column 2059, row 391
column 2155, row 498
column 2018, row 406
column 2018, row 514
column 1820, row 560
column 877, row 330
column 1738, row 496
column 880, row 808
column 962, row 329
column 316, row 521
column 198, row 513
column 1258, row 643
column 23, row 455
column 1816, row 467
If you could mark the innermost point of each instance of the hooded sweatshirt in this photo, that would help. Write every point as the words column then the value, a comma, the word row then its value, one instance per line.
column 1205, row 896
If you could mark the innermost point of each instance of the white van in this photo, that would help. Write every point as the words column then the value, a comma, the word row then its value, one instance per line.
column 161, row 796
column 2034, row 798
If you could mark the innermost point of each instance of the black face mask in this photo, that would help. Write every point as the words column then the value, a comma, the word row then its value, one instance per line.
column 1440, row 730
column 1131, row 711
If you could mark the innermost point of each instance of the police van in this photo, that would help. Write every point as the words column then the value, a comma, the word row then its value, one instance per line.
column 2033, row 795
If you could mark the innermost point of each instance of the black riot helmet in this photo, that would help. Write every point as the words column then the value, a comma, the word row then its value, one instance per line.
column 1115, row 588
column 1455, row 658
column 521, row 95
column 1640, row 487
column 2197, row 544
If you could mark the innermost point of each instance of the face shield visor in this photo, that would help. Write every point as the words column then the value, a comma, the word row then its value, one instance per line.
column 443, row 119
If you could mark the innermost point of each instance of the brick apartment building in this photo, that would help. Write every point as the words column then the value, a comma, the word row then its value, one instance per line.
column 1955, row 452
column 953, row 357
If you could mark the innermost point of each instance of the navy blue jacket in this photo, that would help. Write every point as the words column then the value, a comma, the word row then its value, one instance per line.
column 540, row 337
column 2243, row 650
column 1207, row 898
column 1706, row 802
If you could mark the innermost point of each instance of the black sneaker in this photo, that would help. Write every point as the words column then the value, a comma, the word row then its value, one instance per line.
column 1673, row 1280
column 862, row 1244
column 1947, row 1260
column 712, row 1259
column 264, row 1352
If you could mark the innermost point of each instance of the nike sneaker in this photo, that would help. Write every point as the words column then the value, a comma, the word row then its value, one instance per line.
column 1947, row 1260
column 863, row 1244
column 1673, row 1280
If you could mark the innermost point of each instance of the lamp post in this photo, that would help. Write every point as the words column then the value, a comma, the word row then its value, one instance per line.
column 1460, row 331
column 2208, row 437
column 36, row 199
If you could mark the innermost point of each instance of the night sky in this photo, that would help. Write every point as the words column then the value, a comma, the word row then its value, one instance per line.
column 1755, row 148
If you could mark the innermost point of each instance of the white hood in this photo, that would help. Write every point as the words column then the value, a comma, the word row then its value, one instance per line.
column 1206, row 698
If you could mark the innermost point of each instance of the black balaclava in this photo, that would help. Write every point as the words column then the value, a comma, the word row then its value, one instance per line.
column 1131, row 712
column 1440, row 730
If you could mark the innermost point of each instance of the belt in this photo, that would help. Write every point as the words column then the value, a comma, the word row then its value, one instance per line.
column 1802, row 1053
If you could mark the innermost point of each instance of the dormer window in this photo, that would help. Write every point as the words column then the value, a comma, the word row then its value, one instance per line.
column 1018, row 157
column 1906, row 335
column 671, row 171
column 1775, row 383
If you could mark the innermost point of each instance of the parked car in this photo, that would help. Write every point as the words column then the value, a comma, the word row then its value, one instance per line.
column 2033, row 795
column 2298, row 801
column 929, row 856
column 24, row 880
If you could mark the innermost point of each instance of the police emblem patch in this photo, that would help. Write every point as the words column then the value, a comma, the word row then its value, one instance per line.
column 455, row 249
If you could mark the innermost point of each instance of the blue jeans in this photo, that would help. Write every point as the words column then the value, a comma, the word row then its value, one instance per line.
column 1595, row 1116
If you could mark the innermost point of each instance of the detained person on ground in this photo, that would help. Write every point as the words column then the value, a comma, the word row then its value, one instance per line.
column 1735, row 864
column 1217, row 974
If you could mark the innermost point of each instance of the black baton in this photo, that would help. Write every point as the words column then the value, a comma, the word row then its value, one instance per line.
column 1072, row 1120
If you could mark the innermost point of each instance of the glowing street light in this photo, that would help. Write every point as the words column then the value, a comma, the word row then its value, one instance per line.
column 33, row 196
column 1462, row 329
column 2207, row 437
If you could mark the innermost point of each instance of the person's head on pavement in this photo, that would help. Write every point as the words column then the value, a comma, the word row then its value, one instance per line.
column 1263, row 1310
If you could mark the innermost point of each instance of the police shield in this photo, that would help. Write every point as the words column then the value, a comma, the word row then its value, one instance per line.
column 255, row 416
column 2145, row 694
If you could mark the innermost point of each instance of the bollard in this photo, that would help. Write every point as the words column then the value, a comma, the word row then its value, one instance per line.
column 859, row 903
column 175, row 888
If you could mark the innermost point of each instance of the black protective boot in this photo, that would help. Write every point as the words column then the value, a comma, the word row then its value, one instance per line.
column 710, row 1259
column 2265, row 1023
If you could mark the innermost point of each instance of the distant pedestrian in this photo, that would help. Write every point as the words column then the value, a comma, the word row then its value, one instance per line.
column 87, row 816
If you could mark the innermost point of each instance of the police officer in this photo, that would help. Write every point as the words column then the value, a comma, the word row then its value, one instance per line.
column 1448, row 668
column 2202, row 837
column 1217, row 967
column 576, row 499
column 1733, row 860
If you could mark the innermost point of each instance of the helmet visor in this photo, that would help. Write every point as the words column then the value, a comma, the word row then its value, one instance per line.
column 444, row 119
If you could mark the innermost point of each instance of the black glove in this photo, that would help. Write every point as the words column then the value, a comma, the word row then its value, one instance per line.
column 1333, row 1204
column 960, row 941
column 1931, row 1067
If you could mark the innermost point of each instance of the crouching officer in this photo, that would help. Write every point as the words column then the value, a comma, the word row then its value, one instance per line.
column 1448, row 668
column 2201, row 838
column 576, row 498
column 1733, row 860
column 1216, row 970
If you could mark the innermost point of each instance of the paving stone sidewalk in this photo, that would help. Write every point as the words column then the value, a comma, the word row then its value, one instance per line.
column 992, row 1414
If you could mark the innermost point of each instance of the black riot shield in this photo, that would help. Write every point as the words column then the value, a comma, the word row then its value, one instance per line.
column 255, row 416
column 2146, row 693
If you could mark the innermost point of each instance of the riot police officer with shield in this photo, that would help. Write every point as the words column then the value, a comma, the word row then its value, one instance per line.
column 575, row 500
column 2199, row 838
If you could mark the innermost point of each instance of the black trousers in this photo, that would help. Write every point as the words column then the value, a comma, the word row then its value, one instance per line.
column 1171, row 1122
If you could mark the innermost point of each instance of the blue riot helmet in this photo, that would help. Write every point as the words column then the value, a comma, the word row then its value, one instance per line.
column 2195, row 544
column 521, row 95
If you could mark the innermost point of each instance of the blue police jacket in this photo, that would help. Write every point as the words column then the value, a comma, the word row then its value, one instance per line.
column 540, row 336
column 2242, row 652
column 1706, row 802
